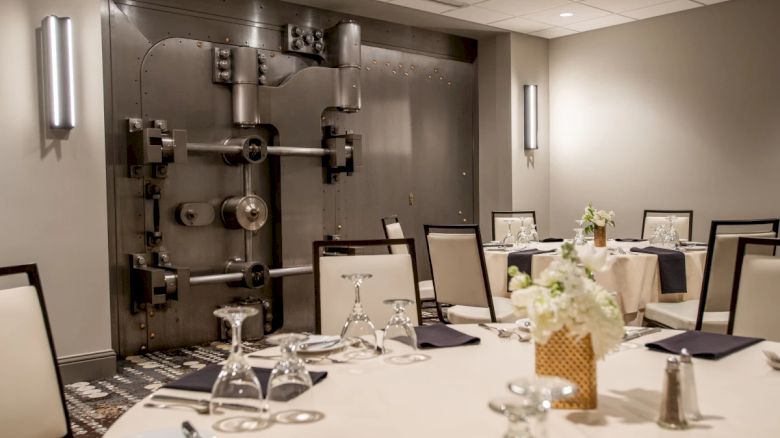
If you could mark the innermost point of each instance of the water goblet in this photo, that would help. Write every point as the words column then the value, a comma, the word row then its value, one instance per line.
column 509, row 238
column 543, row 391
column 399, row 335
column 289, row 379
column 358, row 330
column 518, row 410
column 237, row 389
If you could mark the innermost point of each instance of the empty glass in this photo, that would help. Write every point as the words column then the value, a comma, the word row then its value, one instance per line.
column 289, row 379
column 519, row 411
column 528, row 413
column 579, row 234
column 237, row 389
column 399, row 336
column 509, row 238
column 358, row 330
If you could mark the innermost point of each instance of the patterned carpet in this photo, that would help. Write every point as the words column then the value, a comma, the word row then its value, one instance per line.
column 94, row 406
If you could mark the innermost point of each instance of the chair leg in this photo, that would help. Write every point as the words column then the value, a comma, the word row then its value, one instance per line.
column 438, row 311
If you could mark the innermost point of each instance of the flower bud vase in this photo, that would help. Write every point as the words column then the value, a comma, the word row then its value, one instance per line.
column 600, row 237
column 572, row 359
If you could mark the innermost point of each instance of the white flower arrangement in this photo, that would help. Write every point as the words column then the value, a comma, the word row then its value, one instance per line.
column 597, row 218
column 567, row 297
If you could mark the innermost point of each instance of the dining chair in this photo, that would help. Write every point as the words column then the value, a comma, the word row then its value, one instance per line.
column 32, row 403
column 392, row 276
column 755, row 296
column 711, row 311
column 500, row 224
column 460, row 277
column 683, row 223
column 392, row 228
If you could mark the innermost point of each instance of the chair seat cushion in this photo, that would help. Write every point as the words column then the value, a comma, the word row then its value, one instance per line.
column 426, row 290
column 682, row 316
column 505, row 312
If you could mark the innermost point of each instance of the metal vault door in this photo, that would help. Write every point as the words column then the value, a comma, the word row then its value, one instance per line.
column 416, row 123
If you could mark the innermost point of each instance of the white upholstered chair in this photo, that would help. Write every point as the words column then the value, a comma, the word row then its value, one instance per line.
column 393, row 276
column 460, row 277
column 711, row 311
column 500, row 221
column 31, row 397
column 755, row 299
column 392, row 228
column 683, row 222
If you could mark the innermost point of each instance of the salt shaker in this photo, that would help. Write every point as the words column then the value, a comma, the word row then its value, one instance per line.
column 672, row 412
column 690, row 399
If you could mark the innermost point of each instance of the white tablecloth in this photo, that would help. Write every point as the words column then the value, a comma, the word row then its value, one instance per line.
column 447, row 397
column 634, row 276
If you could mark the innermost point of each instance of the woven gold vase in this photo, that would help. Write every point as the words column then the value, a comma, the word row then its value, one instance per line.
column 572, row 359
column 600, row 237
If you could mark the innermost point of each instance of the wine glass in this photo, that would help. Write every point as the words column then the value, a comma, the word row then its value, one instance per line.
column 518, row 410
column 509, row 238
column 579, row 233
column 237, row 389
column 358, row 330
column 400, row 335
column 541, row 392
column 289, row 379
column 674, row 236
column 533, row 236
column 523, row 236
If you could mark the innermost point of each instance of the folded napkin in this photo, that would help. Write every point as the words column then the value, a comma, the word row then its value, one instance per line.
column 552, row 239
column 671, row 265
column 703, row 344
column 203, row 380
column 625, row 239
column 689, row 243
column 493, row 245
column 441, row 336
column 522, row 259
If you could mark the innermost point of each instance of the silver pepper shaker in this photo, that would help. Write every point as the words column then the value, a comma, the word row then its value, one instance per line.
column 690, row 398
column 672, row 412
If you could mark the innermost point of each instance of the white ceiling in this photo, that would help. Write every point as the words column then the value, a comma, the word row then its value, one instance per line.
column 550, row 18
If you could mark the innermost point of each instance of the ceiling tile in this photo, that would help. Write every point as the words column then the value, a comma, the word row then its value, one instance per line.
column 521, row 7
column 553, row 32
column 597, row 23
column 423, row 5
column 622, row 5
column 477, row 14
column 553, row 16
column 520, row 25
column 662, row 9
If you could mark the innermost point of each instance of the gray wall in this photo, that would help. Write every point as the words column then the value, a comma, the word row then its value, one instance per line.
column 53, row 191
column 680, row 111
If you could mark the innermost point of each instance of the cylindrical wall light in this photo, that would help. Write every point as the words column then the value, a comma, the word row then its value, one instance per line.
column 57, row 35
column 530, row 117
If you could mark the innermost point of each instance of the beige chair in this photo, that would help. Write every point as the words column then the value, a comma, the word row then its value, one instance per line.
column 500, row 221
column 683, row 222
column 755, row 299
column 393, row 230
column 31, row 401
column 711, row 312
column 460, row 277
column 393, row 276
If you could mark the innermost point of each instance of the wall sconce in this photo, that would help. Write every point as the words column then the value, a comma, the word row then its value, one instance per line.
column 530, row 116
column 57, row 35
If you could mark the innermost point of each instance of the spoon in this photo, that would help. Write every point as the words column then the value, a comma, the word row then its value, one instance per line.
column 199, row 409
column 771, row 355
column 502, row 333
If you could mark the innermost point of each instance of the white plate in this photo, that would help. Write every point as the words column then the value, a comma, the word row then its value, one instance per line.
column 773, row 364
column 171, row 432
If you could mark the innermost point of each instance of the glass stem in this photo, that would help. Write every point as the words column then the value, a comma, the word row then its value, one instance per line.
column 235, row 348
column 357, row 293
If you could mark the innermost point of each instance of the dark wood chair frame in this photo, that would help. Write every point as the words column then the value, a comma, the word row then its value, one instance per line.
column 385, row 222
column 689, row 213
column 317, row 252
column 741, row 247
column 31, row 271
column 470, row 228
column 493, row 215
column 775, row 223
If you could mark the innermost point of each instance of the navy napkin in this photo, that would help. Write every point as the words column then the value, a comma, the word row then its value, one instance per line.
column 629, row 240
column 552, row 239
column 203, row 380
column 441, row 336
column 703, row 344
column 671, row 265
column 522, row 259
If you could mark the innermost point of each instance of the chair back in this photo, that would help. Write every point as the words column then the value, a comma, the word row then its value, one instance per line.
column 458, row 266
column 683, row 222
column 501, row 220
column 392, row 228
column 755, row 298
column 393, row 276
column 721, row 260
column 31, row 400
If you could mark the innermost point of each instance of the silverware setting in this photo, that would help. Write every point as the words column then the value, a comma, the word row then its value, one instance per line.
column 641, row 332
column 505, row 334
column 307, row 360
column 165, row 401
column 202, row 410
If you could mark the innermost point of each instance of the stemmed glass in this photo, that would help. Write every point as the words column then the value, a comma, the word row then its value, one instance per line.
column 509, row 238
column 579, row 235
column 358, row 330
column 237, row 388
column 534, row 399
column 673, row 237
column 289, row 379
column 518, row 410
column 400, row 333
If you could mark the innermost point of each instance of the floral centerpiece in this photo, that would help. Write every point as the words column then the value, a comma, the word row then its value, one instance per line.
column 596, row 222
column 575, row 321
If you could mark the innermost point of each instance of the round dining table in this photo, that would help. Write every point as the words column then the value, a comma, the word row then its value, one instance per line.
column 448, row 395
column 635, row 277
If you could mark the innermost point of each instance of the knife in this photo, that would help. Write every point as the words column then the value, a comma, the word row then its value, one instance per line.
column 201, row 402
column 640, row 332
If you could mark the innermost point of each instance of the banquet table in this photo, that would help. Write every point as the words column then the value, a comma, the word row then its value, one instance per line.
column 447, row 396
column 634, row 276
